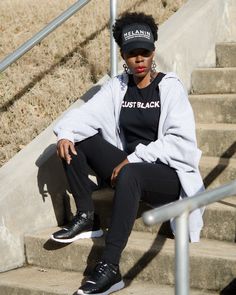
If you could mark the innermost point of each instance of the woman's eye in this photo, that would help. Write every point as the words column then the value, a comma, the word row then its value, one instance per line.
column 131, row 54
column 146, row 53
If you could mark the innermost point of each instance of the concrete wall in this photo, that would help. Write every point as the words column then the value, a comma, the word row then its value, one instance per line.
column 32, row 193
column 28, row 197
column 32, row 183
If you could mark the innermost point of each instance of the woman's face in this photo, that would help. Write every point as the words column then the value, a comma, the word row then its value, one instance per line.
column 139, row 61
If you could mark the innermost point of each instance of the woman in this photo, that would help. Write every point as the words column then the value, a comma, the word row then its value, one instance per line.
column 138, row 134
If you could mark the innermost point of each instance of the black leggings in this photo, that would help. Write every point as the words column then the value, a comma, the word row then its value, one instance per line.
column 154, row 183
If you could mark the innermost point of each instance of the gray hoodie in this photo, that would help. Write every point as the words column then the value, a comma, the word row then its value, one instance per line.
column 176, row 145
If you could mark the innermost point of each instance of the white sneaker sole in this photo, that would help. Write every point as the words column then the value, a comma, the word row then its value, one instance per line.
column 114, row 288
column 85, row 235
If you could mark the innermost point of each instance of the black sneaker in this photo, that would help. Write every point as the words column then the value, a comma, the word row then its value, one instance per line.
column 84, row 225
column 105, row 279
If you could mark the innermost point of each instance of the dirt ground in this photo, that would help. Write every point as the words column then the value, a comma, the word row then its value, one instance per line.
column 49, row 78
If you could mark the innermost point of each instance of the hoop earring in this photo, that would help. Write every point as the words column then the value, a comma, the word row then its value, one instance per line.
column 154, row 66
column 126, row 69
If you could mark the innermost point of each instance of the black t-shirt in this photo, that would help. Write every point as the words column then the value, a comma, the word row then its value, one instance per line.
column 140, row 113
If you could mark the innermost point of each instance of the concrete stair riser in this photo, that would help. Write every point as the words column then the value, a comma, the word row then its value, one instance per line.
column 226, row 55
column 217, row 171
column 216, row 275
column 215, row 108
column 220, row 221
column 145, row 258
column 36, row 281
column 217, row 140
column 214, row 80
column 18, row 290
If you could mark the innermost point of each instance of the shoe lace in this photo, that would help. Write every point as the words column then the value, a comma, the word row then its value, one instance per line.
column 77, row 219
column 103, row 269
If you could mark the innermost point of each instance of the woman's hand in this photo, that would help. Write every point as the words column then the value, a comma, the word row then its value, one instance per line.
column 116, row 171
column 64, row 147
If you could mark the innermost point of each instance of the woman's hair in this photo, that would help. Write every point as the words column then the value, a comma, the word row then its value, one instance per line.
column 131, row 18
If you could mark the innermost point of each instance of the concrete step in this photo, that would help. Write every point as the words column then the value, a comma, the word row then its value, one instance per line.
column 214, row 108
column 38, row 281
column 226, row 54
column 214, row 80
column 217, row 140
column 147, row 258
column 219, row 218
column 217, row 171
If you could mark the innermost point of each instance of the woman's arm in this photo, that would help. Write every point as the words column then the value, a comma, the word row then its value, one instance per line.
column 83, row 122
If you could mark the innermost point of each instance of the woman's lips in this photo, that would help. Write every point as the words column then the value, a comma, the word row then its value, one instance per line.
column 139, row 69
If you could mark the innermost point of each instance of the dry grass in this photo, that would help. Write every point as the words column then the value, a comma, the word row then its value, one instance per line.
column 42, row 84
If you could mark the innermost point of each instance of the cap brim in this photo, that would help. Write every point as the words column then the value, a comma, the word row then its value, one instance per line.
column 137, row 45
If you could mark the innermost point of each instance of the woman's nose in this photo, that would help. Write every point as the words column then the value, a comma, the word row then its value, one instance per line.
column 139, row 58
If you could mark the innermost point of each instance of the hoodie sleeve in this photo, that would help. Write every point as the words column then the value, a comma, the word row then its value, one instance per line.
column 176, row 145
column 85, row 121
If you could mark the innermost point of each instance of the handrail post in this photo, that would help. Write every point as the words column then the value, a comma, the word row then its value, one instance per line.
column 113, row 45
column 182, row 255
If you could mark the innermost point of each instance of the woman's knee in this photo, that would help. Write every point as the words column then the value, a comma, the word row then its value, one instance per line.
column 127, row 174
column 76, row 160
column 128, row 187
column 88, row 143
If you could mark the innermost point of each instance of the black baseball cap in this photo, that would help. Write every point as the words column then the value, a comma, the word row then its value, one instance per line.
column 137, row 36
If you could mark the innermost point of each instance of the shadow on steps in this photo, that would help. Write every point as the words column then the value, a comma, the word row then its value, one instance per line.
column 230, row 289
column 221, row 166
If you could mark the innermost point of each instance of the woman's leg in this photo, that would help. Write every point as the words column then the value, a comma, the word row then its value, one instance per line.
column 102, row 157
column 156, row 183
column 133, row 181
column 98, row 154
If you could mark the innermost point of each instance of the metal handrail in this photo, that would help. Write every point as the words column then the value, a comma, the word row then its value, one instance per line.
column 180, row 210
column 20, row 51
